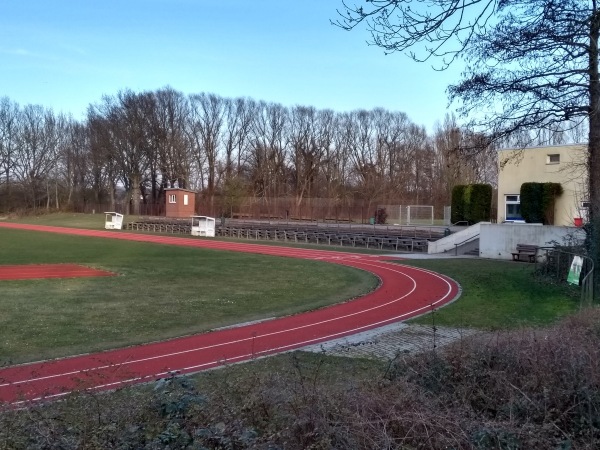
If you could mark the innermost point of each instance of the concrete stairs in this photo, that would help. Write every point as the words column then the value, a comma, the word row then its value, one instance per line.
column 465, row 241
column 473, row 252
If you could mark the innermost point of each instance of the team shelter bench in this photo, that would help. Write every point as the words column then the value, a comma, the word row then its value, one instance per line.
column 528, row 250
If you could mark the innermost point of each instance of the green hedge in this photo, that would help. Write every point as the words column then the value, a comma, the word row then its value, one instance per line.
column 457, row 211
column 471, row 203
column 537, row 201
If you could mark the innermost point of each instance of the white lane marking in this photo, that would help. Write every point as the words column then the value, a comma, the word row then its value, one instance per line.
column 252, row 355
column 382, row 265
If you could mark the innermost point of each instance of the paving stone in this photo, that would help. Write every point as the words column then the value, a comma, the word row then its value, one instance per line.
column 387, row 342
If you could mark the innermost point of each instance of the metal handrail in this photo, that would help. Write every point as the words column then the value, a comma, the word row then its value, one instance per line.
column 464, row 242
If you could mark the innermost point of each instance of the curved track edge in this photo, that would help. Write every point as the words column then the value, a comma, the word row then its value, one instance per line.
column 404, row 292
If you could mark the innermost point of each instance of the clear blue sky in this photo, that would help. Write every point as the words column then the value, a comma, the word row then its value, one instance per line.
column 66, row 54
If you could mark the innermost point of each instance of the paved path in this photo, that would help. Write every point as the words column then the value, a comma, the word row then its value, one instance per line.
column 404, row 292
column 389, row 341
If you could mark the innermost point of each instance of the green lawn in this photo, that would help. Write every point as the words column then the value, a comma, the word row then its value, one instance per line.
column 498, row 295
column 72, row 220
column 166, row 291
column 161, row 292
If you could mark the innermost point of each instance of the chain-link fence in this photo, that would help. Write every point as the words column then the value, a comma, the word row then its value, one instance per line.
column 558, row 265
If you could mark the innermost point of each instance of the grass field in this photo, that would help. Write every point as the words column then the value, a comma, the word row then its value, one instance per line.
column 73, row 220
column 165, row 291
column 479, row 396
column 498, row 295
column 161, row 292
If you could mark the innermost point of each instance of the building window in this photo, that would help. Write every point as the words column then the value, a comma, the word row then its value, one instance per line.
column 172, row 198
column 513, row 207
column 553, row 159
column 584, row 210
column 185, row 199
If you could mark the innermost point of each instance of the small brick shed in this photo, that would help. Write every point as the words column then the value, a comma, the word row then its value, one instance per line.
column 179, row 202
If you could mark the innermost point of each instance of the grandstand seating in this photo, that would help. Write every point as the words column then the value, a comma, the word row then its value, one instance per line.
column 408, row 239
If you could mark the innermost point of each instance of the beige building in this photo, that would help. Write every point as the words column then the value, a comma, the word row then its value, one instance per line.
column 564, row 164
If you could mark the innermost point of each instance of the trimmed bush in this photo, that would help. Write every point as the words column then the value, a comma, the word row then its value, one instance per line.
column 471, row 203
column 537, row 201
column 550, row 192
column 480, row 203
column 458, row 212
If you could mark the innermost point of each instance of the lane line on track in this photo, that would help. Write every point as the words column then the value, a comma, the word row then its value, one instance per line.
column 266, row 335
column 364, row 262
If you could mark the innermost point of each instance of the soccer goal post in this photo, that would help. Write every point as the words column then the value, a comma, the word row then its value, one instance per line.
column 419, row 215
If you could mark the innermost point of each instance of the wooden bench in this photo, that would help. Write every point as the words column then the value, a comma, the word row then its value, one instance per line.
column 528, row 250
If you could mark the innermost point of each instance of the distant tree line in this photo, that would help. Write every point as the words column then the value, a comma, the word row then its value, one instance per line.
column 131, row 146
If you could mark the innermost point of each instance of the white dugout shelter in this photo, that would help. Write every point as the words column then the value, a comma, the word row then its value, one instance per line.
column 203, row 226
column 114, row 221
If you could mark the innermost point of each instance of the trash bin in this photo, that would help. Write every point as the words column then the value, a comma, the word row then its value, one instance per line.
column 447, row 232
column 372, row 220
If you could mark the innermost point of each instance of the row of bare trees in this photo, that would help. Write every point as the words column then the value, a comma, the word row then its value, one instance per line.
column 134, row 145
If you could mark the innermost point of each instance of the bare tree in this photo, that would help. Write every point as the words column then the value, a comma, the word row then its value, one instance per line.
column 173, row 154
column 239, row 114
column 419, row 162
column 9, row 143
column 268, row 152
column 391, row 133
column 38, row 154
column 530, row 64
column 306, row 152
column 207, row 118
column 103, row 167
column 73, row 168
column 127, row 138
column 336, row 164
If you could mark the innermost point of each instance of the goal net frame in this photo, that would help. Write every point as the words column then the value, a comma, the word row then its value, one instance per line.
column 408, row 214
column 419, row 215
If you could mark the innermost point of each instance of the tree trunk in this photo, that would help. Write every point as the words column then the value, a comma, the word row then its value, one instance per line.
column 112, row 195
column 136, row 192
column 593, row 163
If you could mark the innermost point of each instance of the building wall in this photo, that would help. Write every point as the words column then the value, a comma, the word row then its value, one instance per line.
column 498, row 241
column 176, row 203
column 536, row 165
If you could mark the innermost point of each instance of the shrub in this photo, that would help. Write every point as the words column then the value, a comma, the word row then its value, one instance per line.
column 479, row 203
column 471, row 203
column 537, row 201
column 380, row 216
column 531, row 202
column 530, row 388
column 458, row 212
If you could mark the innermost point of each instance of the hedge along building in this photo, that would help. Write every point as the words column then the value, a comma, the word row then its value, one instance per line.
column 179, row 202
column 562, row 164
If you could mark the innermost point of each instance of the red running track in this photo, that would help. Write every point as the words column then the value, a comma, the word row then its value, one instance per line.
column 36, row 271
column 404, row 292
